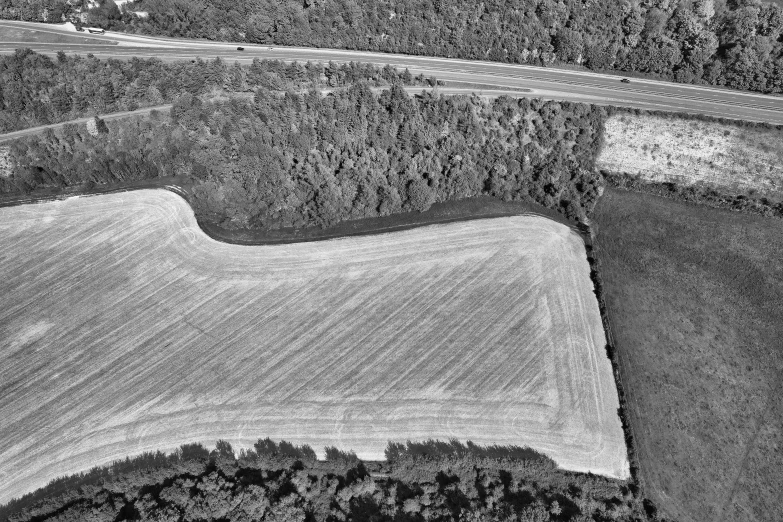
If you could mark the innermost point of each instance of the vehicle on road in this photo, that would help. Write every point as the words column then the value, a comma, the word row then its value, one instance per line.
column 240, row 48
column 95, row 30
column 625, row 80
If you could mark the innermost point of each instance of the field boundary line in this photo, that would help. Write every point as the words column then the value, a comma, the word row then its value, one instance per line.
column 761, row 421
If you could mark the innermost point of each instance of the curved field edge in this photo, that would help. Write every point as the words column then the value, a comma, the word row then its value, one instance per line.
column 198, row 325
column 477, row 207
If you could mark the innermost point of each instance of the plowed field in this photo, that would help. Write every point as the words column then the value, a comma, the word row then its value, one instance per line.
column 123, row 328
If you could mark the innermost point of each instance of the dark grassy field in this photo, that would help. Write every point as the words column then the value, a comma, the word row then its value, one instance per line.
column 695, row 300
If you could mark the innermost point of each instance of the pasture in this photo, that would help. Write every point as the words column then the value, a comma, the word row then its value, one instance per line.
column 695, row 301
column 124, row 328
column 734, row 159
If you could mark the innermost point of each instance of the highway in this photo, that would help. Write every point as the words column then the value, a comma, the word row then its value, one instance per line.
column 487, row 78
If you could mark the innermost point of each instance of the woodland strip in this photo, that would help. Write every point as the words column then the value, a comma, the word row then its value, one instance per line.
column 425, row 481
column 293, row 158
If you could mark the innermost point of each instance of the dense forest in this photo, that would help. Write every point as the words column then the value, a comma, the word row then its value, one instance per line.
column 287, row 158
column 37, row 90
column 737, row 43
column 279, row 481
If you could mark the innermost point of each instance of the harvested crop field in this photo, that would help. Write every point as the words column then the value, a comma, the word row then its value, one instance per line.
column 693, row 152
column 695, row 300
column 124, row 328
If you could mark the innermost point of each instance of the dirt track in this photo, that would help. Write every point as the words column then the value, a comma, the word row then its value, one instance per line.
column 10, row 136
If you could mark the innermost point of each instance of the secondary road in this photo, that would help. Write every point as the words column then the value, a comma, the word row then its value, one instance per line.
column 113, row 116
column 550, row 83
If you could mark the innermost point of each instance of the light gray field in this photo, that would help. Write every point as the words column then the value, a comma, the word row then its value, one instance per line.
column 123, row 328
column 692, row 152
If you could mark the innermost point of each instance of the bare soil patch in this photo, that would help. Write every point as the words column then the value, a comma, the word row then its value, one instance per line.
column 125, row 329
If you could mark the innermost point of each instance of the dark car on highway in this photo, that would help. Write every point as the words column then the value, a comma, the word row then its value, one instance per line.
column 240, row 48
column 625, row 80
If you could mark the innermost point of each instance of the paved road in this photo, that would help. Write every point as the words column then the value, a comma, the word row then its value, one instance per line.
column 538, row 81
column 35, row 130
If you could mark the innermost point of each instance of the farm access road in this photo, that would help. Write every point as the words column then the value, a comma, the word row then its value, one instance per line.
column 549, row 83
column 165, row 108
column 113, row 116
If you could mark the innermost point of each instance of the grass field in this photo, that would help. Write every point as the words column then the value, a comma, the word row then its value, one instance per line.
column 124, row 328
column 732, row 158
column 695, row 299
column 19, row 35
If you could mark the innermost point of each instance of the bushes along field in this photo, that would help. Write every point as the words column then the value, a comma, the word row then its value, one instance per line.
column 195, row 484
column 749, row 201
column 695, row 301
column 735, row 43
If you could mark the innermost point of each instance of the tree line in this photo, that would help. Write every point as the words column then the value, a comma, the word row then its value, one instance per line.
column 38, row 90
column 60, row 489
column 736, row 43
column 751, row 201
column 281, row 481
column 293, row 159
